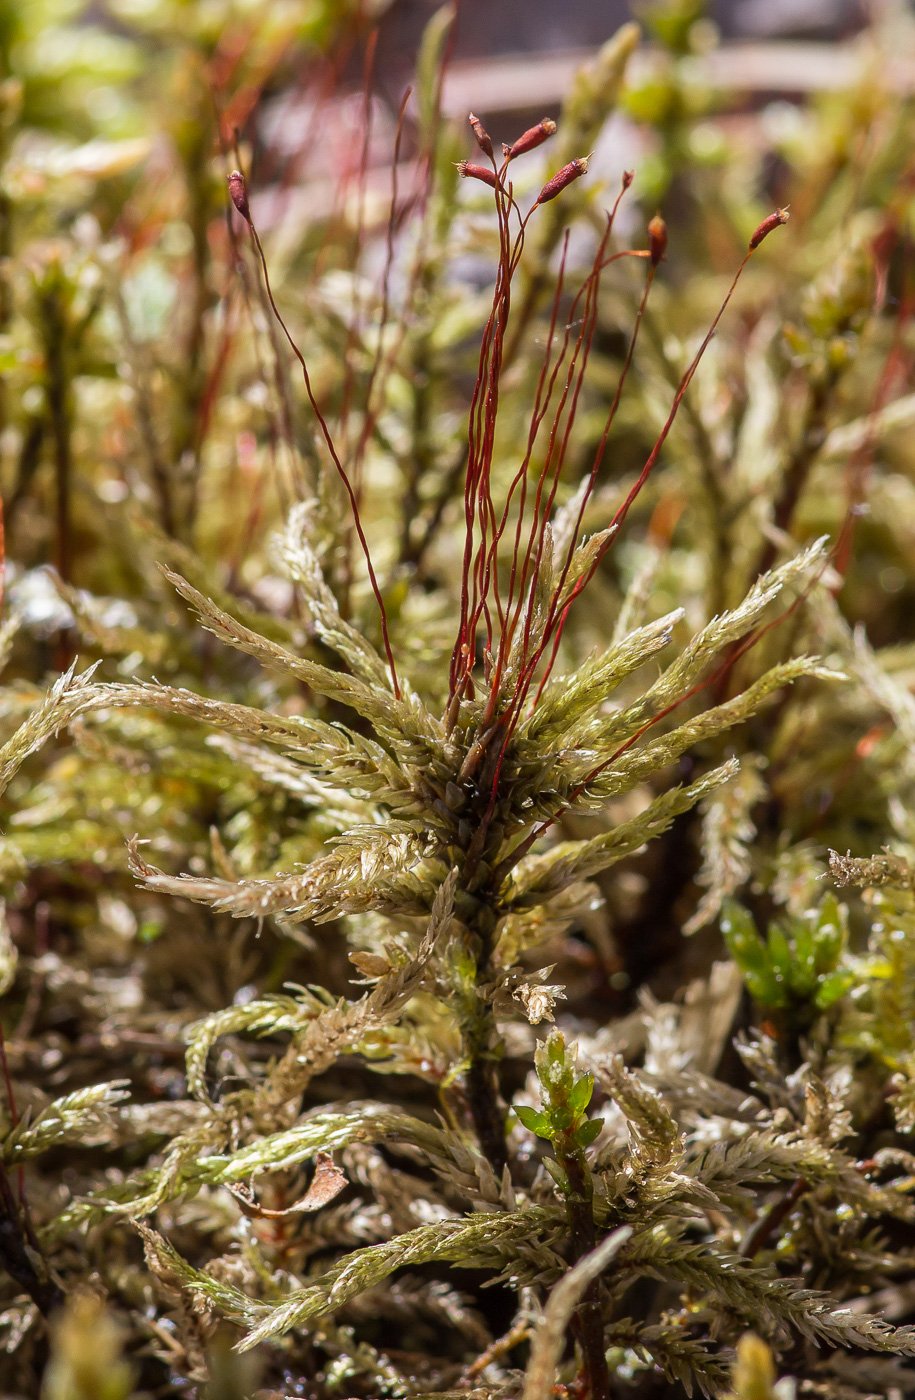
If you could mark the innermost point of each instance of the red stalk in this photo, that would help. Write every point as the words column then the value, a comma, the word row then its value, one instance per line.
column 651, row 461
column 338, row 465
column 513, row 711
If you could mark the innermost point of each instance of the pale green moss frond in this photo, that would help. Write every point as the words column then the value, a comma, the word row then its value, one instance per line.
column 684, row 1360
column 329, row 749
column 272, row 1015
column 776, row 1303
column 654, row 1134
column 567, row 698
column 885, row 869
column 333, row 752
column 304, row 567
column 85, row 1116
column 732, row 1169
column 507, row 1242
column 345, row 1027
column 637, row 764
column 541, row 876
column 326, row 1130
column 379, row 871
column 727, row 831
column 173, row 557
column 586, row 557
column 200, row 1156
column 167, row 1264
column 321, row 1027
column 406, row 719
column 70, row 695
column 279, row 771
column 683, row 673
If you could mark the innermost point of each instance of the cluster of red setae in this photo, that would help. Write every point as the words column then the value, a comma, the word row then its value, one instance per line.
column 498, row 595
column 506, row 545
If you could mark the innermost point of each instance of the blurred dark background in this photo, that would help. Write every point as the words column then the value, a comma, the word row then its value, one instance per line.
column 488, row 27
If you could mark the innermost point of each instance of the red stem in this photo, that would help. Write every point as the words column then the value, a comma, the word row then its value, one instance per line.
column 325, row 431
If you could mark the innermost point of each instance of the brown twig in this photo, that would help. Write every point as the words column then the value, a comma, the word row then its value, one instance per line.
column 767, row 1224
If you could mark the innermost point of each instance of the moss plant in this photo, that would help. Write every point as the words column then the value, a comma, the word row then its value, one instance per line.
column 506, row 661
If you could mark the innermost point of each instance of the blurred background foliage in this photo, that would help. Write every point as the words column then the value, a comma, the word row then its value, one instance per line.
column 149, row 415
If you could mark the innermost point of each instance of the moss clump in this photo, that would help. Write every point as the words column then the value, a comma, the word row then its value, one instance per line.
column 477, row 627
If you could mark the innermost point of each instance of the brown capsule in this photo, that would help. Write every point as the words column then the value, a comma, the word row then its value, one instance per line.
column 476, row 172
column 239, row 195
column 573, row 171
column 628, row 177
column 533, row 137
column 483, row 138
column 657, row 239
column 773, row 221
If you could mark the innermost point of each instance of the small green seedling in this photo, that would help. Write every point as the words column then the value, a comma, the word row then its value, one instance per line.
column 799, row 965
column 563, row 1120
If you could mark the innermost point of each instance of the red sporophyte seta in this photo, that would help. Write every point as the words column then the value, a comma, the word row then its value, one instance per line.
column 497, row 596
column 238, row 194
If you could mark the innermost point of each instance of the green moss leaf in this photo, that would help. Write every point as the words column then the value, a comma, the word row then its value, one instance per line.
column 534, row 1120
